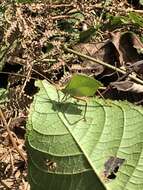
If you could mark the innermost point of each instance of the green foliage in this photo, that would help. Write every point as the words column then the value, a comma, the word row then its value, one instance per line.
column 132, row 18
column 78, row 149
column 3, row 50
column 141, row 2
column 82, row 85
column 48, row 47
column 76, row 17
column 136, row 19
column 116, row 21
column 86, row 35
column 3, row 96
column 69, row 24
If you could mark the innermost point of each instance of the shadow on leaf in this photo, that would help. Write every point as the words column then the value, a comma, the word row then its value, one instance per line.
column 66, row 107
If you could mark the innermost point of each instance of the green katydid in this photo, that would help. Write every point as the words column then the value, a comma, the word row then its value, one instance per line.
column 81, row 86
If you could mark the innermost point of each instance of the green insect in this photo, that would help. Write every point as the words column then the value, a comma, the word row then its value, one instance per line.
column 81, row 86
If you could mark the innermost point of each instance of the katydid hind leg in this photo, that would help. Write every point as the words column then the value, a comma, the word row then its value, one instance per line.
column 65, row 98
column 85, row 110
column 58, row 95
column 85, row 107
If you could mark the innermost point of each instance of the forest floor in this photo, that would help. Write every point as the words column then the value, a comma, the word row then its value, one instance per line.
column 34, row 38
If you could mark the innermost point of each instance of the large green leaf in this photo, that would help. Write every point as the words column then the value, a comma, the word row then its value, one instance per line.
column 81, row 148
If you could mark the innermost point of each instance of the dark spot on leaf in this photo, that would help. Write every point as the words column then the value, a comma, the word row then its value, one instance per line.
column 112, row 166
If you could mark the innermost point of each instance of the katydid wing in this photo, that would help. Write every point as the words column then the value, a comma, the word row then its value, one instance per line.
column 81, row 85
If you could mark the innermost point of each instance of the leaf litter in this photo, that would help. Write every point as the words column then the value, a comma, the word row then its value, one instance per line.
column 32, row 38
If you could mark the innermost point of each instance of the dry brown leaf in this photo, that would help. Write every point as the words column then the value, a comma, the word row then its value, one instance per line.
column 136, row 67
column 127, row 86
column 104, row 51
column 88, row 48
column 115, row 38
column 127, row 44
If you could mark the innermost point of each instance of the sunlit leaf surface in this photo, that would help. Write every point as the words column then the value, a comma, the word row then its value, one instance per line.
column 66, row 153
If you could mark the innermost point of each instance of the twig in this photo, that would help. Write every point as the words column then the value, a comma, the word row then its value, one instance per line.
column 16, row 74
column 12, row 162
column 59, row 5
column 61, row 17
column 10, row 135
column 4, row 184
column 99, row 6
column 104, row 64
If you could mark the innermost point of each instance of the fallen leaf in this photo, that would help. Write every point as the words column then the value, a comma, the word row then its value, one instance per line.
column 105, row 51
column 128, row 86
column 127, row 44
column 136, row 67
